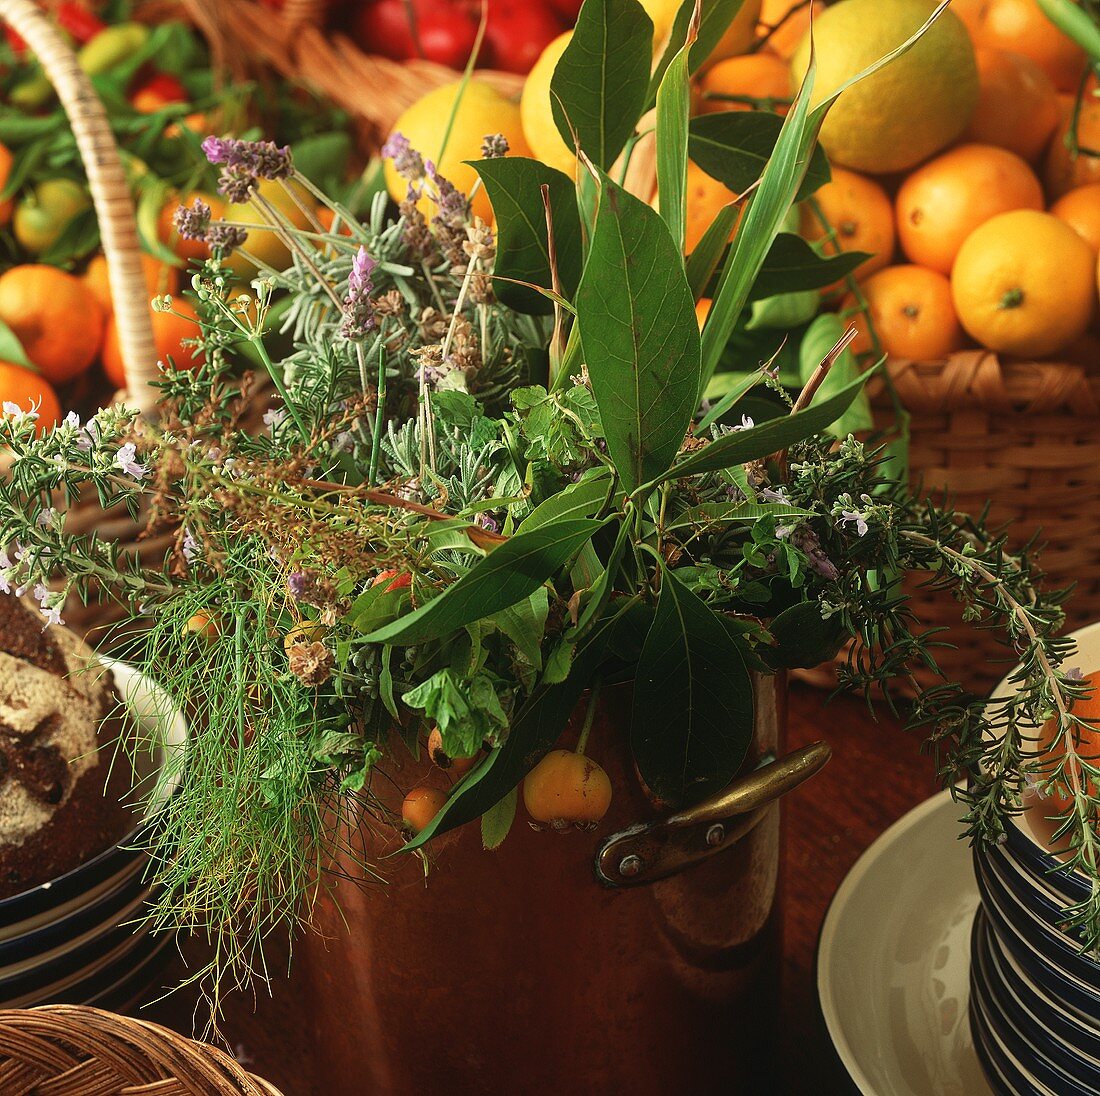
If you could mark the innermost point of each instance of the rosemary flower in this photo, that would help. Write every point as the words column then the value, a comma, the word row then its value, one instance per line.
column 856, row 518
column 125, row 459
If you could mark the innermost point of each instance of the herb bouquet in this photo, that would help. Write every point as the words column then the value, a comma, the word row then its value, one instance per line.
column 489, row 494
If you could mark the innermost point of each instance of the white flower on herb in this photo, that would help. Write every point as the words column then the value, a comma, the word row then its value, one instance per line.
column 854, row 517
column 190, row 547
column 775, row 494
column 18, row 415
column 273, row 418
column 46, row 518
column 125, row 460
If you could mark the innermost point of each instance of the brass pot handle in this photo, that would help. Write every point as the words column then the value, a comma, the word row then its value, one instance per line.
column 655, row 850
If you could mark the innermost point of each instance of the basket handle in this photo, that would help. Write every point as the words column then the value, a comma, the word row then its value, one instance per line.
column 111, row 196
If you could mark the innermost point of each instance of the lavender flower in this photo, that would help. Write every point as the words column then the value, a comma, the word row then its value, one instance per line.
column 1074, row 673
column 125, row 460
column 298, row 584
column 193, row 223
column 494, row 146
column 854, row 517
column 407, row 162
column 260, row 159
column 486, row 522
column 358, row 309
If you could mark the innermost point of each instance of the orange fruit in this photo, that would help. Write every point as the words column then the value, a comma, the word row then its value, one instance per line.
column 26, row 390
column 566, row 787
column 169, row 332
column 941, row 203
column 1021, row 26
column 754, row 76
column 702, row 310
column 1017, row 104
column 1080, row 209
column 56, row 318
column 166, row 230
column 1086, row 743
column 443, row 760
column 327, row 219
column 159, row 279
column 912, row 313
column 789, row 29
column 861, row 216
column 421, row 805
column 1024, row 283
column 1063, row 170
column 5, row 170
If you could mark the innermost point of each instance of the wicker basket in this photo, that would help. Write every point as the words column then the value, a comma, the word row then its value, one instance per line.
column 69, row 1050
column 114, row 208
column 1023, row 438
column 295, row 43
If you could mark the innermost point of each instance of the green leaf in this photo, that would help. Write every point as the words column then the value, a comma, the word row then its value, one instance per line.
column 11, row 349
column 821, row 336
column 497, row 821
column 708, row 512
column 704, row 260
column 804, row 639
column 793, row 266
column 508, row 574
column 514, row 185
column 734, row 146
column 673, row 112
column 640, row 336
column 599, row 88
column 716, row 18
column 534, row 730
column 769, row 437
column 323, row 158
column 693, row 700
column 525, row 625
column 578, row 500
column 784, row 311
column 466, row 709
column 734, row 390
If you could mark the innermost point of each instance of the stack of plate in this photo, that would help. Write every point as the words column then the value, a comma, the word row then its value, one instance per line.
column 79, row 939
column 1034, row 991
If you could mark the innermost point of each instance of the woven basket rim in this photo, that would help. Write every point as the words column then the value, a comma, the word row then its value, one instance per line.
column 56, row 1040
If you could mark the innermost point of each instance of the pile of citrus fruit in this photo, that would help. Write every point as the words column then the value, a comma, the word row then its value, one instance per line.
column 951, row 166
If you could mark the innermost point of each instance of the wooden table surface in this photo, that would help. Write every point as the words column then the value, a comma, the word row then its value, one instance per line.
column 876, row 775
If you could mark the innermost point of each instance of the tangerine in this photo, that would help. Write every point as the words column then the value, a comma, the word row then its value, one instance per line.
column 943, row 201
column 56, row 318
column 28, row 390
column 1024, row 283
column 911, row 311
column 755, row 76
column 1021, row 27
column 1017, row 104
column 861, row 217
column 1080, row 209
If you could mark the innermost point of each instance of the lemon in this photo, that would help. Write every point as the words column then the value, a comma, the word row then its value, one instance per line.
column 905, row 112
column 539, row 128
column 483, row 112
column 264, row 244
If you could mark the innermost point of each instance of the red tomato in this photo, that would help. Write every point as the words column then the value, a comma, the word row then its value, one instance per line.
column 78, row 21
column 15, row 40
column 164, row 87
column 517, row 32
column 441, row 31
column 567, row 9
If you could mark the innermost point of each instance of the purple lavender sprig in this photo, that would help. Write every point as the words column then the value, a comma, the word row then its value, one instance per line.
column 245, row 163
column 358, row 308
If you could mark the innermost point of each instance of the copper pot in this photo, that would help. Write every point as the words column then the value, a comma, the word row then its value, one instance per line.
column 516, row 971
